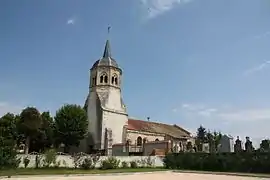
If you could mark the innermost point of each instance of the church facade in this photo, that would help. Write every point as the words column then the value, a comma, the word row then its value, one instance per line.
column 109, row 124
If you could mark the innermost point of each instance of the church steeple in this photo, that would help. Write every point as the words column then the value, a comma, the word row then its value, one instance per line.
column 107, row 50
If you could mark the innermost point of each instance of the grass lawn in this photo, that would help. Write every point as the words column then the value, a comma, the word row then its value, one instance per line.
column 64, row 171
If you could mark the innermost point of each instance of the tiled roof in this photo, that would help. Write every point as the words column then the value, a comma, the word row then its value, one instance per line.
column 154, row 127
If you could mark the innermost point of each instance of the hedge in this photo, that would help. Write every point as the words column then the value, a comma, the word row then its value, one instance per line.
column 256, row 162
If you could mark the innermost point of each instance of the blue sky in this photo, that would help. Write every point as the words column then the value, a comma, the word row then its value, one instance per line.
column 188, row 62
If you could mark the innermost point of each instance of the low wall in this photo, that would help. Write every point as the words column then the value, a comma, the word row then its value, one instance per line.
column 67, row 161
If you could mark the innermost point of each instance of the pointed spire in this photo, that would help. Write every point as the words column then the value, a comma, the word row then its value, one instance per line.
column 107, row 50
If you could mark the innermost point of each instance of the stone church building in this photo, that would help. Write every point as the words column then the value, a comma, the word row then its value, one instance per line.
column 111, row 130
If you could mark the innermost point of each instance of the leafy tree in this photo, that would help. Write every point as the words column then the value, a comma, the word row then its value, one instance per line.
column 44, row 139
column 265, row 145
column 211, row 140
column 70, row 125
column 30, row 123
column 8, row 142
column 217, row 138
column 201, row 137
column 48, row 127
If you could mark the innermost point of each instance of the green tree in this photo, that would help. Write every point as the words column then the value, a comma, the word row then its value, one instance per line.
column 70, row 125
column 29, row 124
column 8, row 134
column 211, row 140
column 217, row 138
column 201, row 137
column 48, row 128
column 44, row 139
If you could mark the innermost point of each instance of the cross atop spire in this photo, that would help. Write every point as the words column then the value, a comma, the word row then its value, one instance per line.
column 107, row 50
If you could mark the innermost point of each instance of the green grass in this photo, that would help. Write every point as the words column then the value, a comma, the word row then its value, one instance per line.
column 65, row 171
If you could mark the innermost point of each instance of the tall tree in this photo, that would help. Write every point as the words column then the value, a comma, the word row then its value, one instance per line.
column 70, row 125
column 8, row 142
column 217, row 138
column 44, row 139
column 30, row 123
column 201, row 137
column 210, row 139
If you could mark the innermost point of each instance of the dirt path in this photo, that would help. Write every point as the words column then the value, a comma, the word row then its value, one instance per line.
column 141, row 176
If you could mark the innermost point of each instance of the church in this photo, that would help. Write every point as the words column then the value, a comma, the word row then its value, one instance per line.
column 110, row 128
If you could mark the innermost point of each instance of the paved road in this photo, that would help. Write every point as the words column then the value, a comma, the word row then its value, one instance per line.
column 142, row 176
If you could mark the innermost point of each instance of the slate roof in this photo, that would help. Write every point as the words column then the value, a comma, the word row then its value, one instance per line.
column 154, row 127
column 106, row 59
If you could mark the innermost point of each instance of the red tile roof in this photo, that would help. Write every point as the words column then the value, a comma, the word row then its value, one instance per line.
column 154, row 127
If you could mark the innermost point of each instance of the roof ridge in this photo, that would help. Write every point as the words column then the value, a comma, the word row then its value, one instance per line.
column 152, row 122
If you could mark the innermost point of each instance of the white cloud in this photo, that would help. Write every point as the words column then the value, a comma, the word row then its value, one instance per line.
column 7, row 107
column 71, row 21
column 257, row 68
column 158, row 7
column 236, row 121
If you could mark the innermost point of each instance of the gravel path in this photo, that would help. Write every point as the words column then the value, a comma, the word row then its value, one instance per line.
column 141, row 176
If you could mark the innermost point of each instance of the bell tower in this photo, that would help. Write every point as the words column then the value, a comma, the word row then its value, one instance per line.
column 107, row 114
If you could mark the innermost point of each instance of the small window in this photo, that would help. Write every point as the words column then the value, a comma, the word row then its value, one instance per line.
column 106, row 79
column 157, row 139
column 112, row 80
column 139, row 141
column 115, row 80
column 101, row 79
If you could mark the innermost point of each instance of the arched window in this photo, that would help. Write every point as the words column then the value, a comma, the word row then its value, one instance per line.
column 157, row 139
column 116, row 80
column 112, row 80
column 101, row 79
column 139, row 141
column 106, row 79
column 93, row 82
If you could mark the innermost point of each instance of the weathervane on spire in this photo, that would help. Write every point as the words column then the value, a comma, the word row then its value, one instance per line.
column 109, row 28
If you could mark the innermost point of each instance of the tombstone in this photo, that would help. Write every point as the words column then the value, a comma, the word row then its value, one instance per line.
column 205, row 147
column 238, row 145
column 248, row 145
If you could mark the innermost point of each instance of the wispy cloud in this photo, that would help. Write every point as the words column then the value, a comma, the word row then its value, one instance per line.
column 251, row 114
column 237, row 121
column 262, row 35
column 158, row 7
column 71, row 21
column 257, row 68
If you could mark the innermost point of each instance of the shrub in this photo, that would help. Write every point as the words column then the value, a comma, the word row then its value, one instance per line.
column 255, row 162
column 110, row 163
column 124, row 164
column 26, row 161
column 38, row 163
column 87, row 163
column 50, row 157
column 149, row 162
column 133, row 164
column 77, row 158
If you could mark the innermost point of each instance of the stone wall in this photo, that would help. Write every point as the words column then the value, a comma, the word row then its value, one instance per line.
column 67, row 161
